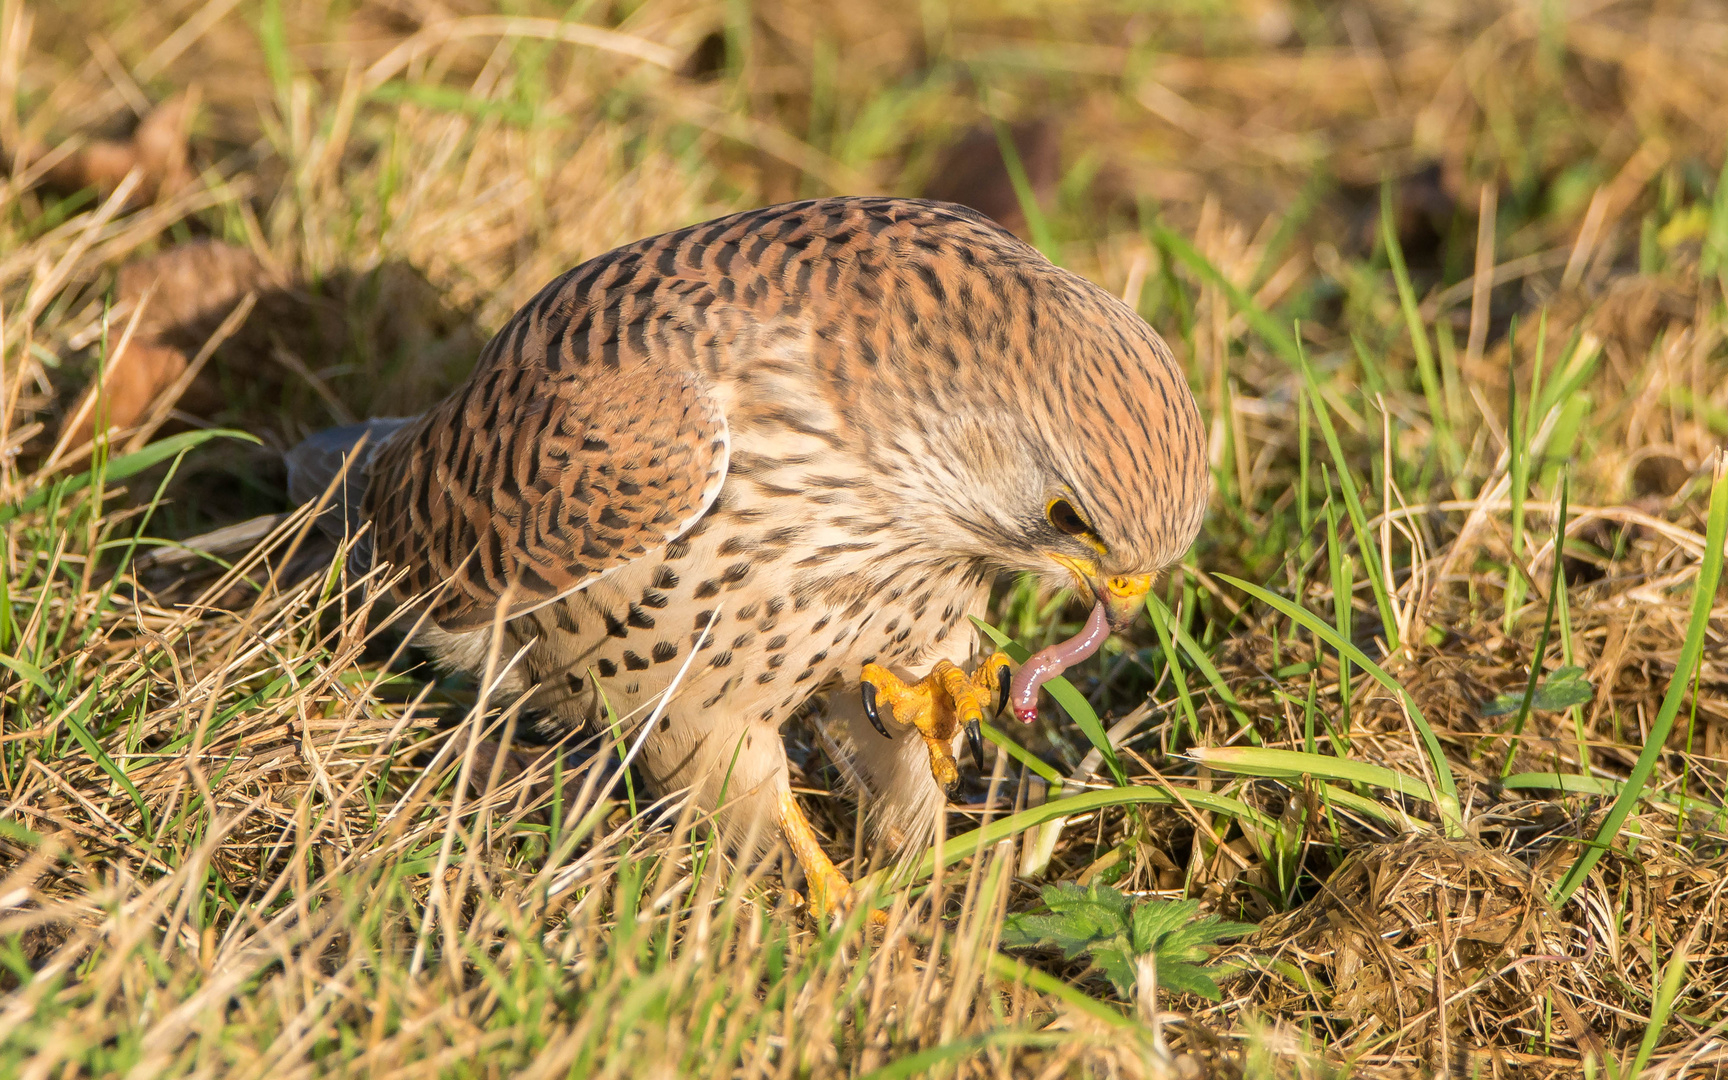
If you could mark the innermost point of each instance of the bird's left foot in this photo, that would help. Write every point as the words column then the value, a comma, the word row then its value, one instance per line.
column 940, row 705
column 831, row 895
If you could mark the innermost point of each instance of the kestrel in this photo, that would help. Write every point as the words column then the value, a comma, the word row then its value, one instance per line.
column 802, row 441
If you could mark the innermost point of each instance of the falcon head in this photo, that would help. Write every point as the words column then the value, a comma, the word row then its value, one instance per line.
column 1121, row 478
column 1089, row 562
column 1088, row 466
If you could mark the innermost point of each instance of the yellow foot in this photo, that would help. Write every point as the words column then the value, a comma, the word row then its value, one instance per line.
column 830, row 893
column 940, row 705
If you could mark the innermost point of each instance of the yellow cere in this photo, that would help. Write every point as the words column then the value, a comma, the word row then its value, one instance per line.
column 1085, row 571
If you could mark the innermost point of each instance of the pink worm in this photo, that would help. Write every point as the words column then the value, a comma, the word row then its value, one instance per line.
column 1046, row 664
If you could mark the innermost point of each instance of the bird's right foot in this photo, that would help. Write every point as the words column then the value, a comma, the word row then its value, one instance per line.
column 940, row 706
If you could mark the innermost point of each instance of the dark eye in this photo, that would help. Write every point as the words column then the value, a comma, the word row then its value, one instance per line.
column 1066, row 520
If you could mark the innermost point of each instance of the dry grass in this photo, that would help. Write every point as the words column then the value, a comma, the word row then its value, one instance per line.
column 244, row 832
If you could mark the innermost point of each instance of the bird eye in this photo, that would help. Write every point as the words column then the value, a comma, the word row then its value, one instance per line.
column 1066, row 519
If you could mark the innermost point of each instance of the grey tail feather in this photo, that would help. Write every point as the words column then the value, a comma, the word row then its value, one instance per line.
column 314, row 463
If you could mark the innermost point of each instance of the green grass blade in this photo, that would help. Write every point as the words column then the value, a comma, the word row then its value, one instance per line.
column 1556, row 583
column 1575, row 784
column 12, row 830
column 1519, row 433
column 1164, row 621
column 1661, row 1005
column 1264, row 325
column 968, row 844
column 1376, row 810
column 1295, row 764
column 121, row 467
column 1714, row 258
column 1691, row 652
column 1010, row 970
column 1446, row 798
column 87, row 740
column 1343, row 590
column 921, row 1063
column 1425, row 368
column 1177, row 675
column 31, row 674
column 1072, row 701
column 273, row 42
column 1025, row 757
column 1353, row 505
column 450, row 100
column 1036, row 222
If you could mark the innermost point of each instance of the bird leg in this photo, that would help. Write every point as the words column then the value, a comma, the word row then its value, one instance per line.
column 939, row 705
column 830, row 892
column 829, row 889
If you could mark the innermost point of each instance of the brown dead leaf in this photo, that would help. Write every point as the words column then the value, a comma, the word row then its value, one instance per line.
column 135, row 377
column 158, row 148
column 185, row 286
column 192, row 284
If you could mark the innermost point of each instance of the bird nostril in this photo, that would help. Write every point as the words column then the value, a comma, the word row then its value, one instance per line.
column 1129, row 586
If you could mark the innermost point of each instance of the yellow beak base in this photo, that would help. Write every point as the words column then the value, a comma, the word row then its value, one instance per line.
column 1123, row 596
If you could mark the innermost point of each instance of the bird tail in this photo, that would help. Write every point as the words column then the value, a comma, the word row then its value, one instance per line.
column 315, row 464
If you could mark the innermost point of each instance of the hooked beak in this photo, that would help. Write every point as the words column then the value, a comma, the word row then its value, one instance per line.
column 1123, row 596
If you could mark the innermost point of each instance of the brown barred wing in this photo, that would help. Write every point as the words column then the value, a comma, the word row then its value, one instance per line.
column 528, row 484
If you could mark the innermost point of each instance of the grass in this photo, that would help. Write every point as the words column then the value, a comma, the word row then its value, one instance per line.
column 1448, row 282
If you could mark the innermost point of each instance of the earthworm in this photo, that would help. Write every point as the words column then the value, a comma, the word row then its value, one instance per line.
column 1046, row 664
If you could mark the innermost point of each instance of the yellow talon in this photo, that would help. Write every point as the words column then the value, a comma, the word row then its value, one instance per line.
column 940, row 705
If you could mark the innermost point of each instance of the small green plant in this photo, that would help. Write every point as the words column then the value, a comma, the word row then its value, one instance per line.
column 1116, row 932
column 1562, row 689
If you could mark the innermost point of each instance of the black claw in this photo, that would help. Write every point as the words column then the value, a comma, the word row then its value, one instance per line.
column 1003, row 681
column 975, row 739
column 868, row 690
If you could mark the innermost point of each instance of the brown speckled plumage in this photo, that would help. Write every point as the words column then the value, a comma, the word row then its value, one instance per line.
column 835, row 422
